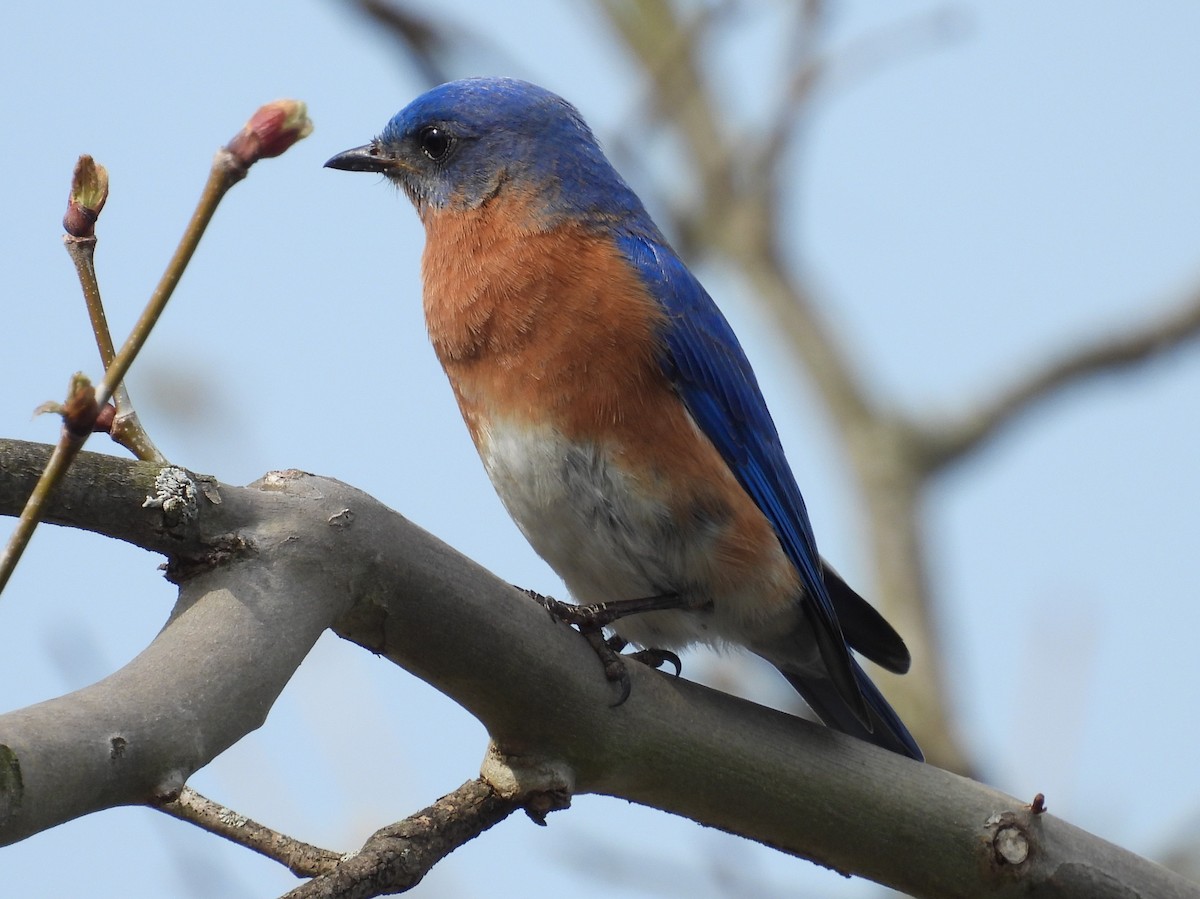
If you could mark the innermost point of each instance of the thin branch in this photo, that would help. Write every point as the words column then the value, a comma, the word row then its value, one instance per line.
column 667, row 49
column 817, row 74
column 1131, row 346
column 397, row 857
column 89, row 192
column 302, row 859
column 895, row 42
column 741, row 223
column 808, row 67
column 79, row 412
column 423, row 41
column 270, row 131
column 434, row 46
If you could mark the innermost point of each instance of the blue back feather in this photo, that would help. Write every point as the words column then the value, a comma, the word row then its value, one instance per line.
column 709, row 370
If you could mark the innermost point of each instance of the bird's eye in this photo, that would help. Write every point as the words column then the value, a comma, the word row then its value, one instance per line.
column 435, row 142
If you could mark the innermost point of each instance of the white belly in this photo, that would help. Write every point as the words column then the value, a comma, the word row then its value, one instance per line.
column 608, row 536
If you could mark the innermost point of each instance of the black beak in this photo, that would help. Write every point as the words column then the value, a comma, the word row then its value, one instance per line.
column 368, row 158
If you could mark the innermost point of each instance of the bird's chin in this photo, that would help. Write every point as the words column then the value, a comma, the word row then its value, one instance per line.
column 415, row 196
column 419, row 198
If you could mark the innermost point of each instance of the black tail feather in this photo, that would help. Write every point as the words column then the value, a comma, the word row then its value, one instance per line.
column 863, row 627
column 886, row 729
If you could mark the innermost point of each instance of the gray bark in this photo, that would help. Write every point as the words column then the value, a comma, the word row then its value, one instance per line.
column 264, row 569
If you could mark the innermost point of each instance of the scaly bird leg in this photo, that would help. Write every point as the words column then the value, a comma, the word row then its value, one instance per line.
column 591, row 621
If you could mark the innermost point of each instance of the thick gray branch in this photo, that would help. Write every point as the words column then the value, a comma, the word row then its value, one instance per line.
column 249, row 610
column 297, row 552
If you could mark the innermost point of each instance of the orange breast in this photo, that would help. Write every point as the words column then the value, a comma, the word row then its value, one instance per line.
column 539, row 323
column 553, row 329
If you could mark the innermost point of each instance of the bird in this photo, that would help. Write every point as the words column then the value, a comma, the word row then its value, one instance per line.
column 611, row 404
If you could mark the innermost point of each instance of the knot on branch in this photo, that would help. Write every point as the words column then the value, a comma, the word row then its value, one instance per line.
column 543, row 784
column 176, row 494
column 1010, row 838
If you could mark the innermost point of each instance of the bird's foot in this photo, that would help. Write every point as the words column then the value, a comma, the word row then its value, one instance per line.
column 652, row 658
column 601, row 614
column 656, row 658
column 591, row 621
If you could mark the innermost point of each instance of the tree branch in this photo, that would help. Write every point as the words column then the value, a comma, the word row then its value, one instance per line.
column 1133, row 345
column 736, row 218
column 237, row 633
column 816, row 73
column 397, row 857
column 102, row 494
column 302, row 859
column 294, row 552
column 431, row 43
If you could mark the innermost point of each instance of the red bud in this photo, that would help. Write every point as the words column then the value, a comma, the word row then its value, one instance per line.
column 271, row 131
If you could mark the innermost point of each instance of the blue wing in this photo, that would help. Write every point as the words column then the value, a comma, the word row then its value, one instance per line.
column 707, row 367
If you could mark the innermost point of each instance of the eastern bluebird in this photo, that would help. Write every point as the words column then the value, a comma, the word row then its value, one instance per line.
column 610, row 402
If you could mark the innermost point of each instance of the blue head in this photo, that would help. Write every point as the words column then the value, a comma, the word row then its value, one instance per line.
column 466, row 143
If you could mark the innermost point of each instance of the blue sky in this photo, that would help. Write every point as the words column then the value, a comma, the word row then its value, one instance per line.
column 965, row 214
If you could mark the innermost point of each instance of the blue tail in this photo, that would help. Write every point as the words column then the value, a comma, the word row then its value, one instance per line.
column 887, row 730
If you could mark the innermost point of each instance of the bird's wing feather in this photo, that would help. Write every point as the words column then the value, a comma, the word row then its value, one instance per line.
column 712, row 376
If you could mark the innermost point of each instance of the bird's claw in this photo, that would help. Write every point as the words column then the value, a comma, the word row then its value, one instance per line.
column 656, row 658
column 652, row 658
column 591, row 621
column 615, row 670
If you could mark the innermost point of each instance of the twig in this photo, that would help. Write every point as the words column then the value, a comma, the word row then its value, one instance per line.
column 424, row 41
column 302, row 859
column 432, row 44
column 396, row 858
column 80, row 407
column 895, row 42
column 89, row 192
column 815, row 75
column 667, row 48
column 808, row 67
column 230, row 166
column 270, row 131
